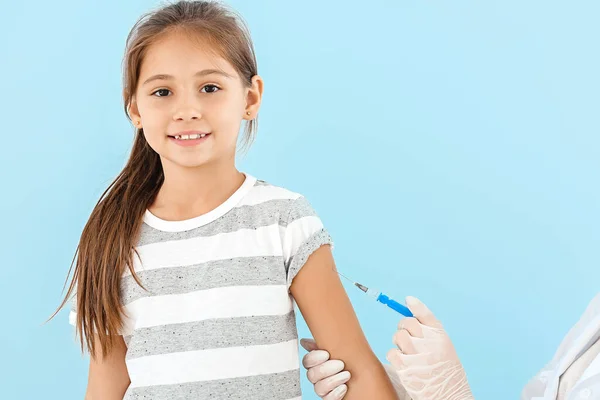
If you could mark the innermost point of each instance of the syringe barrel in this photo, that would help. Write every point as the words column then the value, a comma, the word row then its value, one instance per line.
column 373, row 293
column 394, row 305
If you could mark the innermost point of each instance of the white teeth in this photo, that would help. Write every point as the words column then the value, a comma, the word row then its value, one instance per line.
column 190, row 137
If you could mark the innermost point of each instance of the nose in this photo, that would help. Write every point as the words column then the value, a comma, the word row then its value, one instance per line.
column 190, row 115
column 187, row 109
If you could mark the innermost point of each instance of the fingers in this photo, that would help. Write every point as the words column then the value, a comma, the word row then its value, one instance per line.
column 403, row 340
column 422, row 313
column 337, row 394
column 324, row 371
column 328, row 376
column 309, row 344
column 331, row 384
column 315, row 358
column 412, row 325
column 394, row 356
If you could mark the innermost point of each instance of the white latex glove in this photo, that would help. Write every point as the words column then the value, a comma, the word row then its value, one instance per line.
column 329, row 381
column 425, row 359
column 328, row 376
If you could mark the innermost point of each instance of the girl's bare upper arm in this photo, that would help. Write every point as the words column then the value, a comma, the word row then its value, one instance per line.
column 327, row 310
column 108, row 378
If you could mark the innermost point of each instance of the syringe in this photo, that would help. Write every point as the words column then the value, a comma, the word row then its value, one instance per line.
column 382, row 298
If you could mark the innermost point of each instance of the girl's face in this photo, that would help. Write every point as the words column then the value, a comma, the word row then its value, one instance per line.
column 182, row 87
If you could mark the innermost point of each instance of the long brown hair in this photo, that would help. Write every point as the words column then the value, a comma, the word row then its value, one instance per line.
column 108, row 241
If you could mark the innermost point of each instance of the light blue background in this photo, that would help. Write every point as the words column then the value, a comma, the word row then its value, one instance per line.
column 451, row 148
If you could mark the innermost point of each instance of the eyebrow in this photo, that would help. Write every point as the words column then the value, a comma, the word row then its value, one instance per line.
column 204, row 72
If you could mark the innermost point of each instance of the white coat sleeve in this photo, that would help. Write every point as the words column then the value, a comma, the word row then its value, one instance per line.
column 537, row 385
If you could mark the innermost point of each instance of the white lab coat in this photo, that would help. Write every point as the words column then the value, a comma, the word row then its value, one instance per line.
column 544, row 386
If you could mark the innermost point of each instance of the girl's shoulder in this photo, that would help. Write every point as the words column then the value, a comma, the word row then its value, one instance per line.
column 288, row 201
column 266, row 190
column 282, row 191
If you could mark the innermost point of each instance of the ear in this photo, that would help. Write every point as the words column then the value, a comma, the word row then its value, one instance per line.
column 134, row 114
column 253, row 97
column 133, row 111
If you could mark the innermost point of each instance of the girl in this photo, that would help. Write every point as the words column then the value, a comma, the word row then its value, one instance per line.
column 187, row 269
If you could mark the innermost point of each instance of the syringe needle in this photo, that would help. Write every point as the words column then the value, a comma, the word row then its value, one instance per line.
column 380, row 297
column 362, row 287
column 346, row 277
column 358, row 285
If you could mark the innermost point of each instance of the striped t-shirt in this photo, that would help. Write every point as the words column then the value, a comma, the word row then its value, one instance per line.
column 217, row 320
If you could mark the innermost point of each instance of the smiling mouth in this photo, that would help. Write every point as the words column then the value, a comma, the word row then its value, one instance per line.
column 190, row 137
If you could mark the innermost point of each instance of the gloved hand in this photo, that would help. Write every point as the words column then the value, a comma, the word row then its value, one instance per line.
column 425, row 360
column 328, row 376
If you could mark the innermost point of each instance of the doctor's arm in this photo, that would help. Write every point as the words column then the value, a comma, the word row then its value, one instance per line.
column 327, row 310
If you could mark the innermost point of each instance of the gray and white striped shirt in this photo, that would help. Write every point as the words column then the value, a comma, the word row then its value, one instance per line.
column 217, row 320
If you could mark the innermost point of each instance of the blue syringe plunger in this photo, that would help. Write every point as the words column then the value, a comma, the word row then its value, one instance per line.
column 394, row 305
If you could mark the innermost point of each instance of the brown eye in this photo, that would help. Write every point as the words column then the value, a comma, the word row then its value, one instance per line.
column 210, row 89
column 160, row 90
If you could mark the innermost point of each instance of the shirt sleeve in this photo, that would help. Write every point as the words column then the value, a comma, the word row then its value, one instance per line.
column 73, row 317
column 302, row 233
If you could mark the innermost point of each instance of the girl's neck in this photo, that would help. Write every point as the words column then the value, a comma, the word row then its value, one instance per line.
column 190, row 192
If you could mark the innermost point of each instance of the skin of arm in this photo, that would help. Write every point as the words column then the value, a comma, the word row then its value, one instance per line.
column 108, row 378
column 327, row 310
